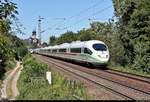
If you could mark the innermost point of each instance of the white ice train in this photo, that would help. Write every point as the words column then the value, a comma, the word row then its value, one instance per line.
column 93, row 52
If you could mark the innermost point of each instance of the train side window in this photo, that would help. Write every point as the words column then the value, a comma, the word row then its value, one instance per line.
column 54, row 50
column 62, row 50
column 87, row 51
column 75, row 50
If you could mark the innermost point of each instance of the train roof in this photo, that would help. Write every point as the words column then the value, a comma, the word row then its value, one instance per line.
column 64, row 45
column 79, row 44
column 74, row 44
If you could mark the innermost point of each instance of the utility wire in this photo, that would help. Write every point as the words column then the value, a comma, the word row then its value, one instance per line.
column 79, row 15
column 53, row 26
column 102, row 10
column 81, row 12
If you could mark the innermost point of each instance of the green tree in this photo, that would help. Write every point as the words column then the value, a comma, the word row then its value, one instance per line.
column 52, row 40
column 10, row 45
column 18, row 47
column 44, row 44
column 134, row 26
column 7, row 15
column 5, row 52
column 85, row 35
column 99, row 28
column 67, row 37
column 7, row 12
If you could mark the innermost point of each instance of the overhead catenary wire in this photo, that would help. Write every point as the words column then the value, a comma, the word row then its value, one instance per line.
column 82, row 19
column 86, row 18
column 81, row 12
column 54, row 25
column 100, row 11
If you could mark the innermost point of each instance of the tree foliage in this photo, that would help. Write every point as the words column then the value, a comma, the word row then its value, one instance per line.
column 133, row 27
column 7, row 9
column 10, row 45
column 52, row 40
column 96, row 31
column 5, row 50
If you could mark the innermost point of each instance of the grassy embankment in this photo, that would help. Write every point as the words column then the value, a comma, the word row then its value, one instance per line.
column 61, row 88
column 127, row 69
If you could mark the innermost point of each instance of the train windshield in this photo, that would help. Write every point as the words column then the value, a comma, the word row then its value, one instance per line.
column 99, row 47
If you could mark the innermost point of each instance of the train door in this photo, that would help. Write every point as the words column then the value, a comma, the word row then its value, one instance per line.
column 85, row 56
column 87, row 52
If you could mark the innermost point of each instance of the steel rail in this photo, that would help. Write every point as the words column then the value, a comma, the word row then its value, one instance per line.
column 148, row 93
column 112, row 90
column 132, row 74
column 141, row 91
column 148, row 82
column 128, row 76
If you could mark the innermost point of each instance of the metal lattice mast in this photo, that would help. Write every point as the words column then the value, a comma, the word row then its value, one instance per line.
column 39, row 29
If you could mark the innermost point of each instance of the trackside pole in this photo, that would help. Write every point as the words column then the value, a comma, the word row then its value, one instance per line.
column 48, row 77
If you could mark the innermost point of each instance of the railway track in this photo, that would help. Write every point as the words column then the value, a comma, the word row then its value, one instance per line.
column 127, row 76
column 130, row 75
column 120, row 89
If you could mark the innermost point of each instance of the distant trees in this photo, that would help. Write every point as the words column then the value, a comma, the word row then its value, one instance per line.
column 18, row 47
column 67, row 37
column 85, row 35
column 52, row 40
column 44, row 44
column 94, row 32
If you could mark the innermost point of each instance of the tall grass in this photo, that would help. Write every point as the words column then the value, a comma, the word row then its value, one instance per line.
column 11, row 63
column 60, row 89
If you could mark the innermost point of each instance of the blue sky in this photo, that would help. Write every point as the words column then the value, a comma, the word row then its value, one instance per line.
column 76, row 13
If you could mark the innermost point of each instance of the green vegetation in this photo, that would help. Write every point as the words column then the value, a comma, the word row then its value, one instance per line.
column 98, row 30
column 133, row 28
column 11, row 63
column 11, row 49
column 61, row 88
column 10, row 46
column 128, row 69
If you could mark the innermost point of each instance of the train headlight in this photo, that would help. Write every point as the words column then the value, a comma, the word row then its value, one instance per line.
column 99, row 56
column 102, row 56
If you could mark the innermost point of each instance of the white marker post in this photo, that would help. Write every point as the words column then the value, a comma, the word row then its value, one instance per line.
column 48, row 77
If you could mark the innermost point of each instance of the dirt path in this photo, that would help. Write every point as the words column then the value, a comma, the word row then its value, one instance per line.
column 12, row 78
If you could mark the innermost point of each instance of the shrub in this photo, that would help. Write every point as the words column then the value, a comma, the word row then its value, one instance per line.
column 61, row 88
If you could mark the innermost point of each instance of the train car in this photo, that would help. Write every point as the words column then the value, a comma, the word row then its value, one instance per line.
column 93, row 52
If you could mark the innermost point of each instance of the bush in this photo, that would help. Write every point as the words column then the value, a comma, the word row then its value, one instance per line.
column 61, row 88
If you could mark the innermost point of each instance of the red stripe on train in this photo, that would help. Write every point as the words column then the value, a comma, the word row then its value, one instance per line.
column 64, row 54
